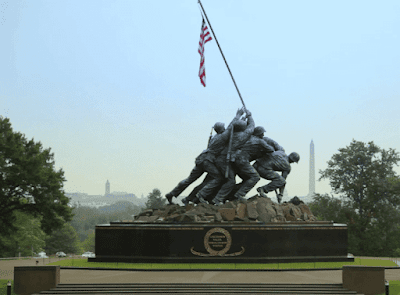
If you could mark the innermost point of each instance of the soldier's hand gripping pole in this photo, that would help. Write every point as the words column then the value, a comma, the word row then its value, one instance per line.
column 228, row 155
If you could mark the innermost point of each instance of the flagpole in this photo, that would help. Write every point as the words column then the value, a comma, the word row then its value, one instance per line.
column 222, row 55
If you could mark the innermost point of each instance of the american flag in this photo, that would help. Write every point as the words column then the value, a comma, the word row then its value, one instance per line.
column 204, row 38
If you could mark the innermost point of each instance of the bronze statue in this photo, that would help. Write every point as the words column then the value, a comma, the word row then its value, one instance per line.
column 253, row 149
column 268, row 166
column 205, row 163
column 242, row 133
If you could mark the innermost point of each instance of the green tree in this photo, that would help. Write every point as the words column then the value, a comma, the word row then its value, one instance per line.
column 154, row 200
column 120, row 210
column 86, row 218
column 363, row 177
column 27, row 237
column 64, row 239
column 326, row 207
column 89, row 243
column 29, row 182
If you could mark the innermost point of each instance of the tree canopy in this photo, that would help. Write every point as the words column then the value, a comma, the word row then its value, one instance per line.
column 363, row 177
column 326, row 207
column 29, row 182
column 89, row 243
column 155, row 201
column 26, row 239
column 63, row 240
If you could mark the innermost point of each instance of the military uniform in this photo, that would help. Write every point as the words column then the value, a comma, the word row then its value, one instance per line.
column 217, row 144
column 205, row 163
column 253, row 149
column 267, row 167
column 238, row 140
column 273, row 143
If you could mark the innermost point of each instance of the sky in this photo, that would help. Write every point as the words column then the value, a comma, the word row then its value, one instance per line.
column 112, row 87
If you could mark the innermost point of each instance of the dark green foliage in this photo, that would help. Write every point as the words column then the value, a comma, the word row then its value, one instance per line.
column 124, row 209
column 86, row 218
column 27, row 238
column 29, row 182
column 155, row 201
column 63, row 240
column 89, row 243
column 326, row 207
column 363, row 177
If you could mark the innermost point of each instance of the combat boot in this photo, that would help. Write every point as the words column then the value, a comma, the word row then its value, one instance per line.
column 279, row 197
column 217, row 201
column 185, row 201
column 169, row 197
column 201, row 199
column 196, row 201
column 239, row 198
column 261, row 192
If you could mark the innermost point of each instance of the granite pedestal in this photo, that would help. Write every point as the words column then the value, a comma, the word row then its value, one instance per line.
column 226, row 242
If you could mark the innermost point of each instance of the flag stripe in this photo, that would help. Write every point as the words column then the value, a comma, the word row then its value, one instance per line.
column 204, row 38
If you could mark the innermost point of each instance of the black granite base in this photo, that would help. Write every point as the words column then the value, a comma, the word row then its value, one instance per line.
column 221, row 242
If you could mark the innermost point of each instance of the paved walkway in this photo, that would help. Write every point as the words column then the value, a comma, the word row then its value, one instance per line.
column 109, row 276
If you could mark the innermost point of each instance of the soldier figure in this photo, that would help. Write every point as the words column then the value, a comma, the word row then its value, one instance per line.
column 256, row 147
column 258, row 132
column 267, row 167
column 242, row 133
column 205, row 163
column 271, row 142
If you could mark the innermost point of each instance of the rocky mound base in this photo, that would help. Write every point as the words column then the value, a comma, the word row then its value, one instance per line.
column 255, row 209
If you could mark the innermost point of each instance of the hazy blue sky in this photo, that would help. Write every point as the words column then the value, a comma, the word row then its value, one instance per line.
column 112, row 86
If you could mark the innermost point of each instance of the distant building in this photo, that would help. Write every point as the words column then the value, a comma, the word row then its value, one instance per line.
column 119, row 193
column 83, row 199
column 77, row 195
column 107, row 188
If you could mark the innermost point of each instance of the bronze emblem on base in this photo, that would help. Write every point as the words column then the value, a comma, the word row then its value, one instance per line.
column 217, row 242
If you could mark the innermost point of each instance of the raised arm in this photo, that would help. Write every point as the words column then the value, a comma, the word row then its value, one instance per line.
column 274, row 144
column 266, row 146
column 227, row 132
column 239, row 113
column 250, row 123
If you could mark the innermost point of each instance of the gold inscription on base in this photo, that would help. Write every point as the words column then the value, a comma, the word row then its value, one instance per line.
column 217, row 242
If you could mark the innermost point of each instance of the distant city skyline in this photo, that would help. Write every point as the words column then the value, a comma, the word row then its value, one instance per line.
column 90, row 199
column 114, row 193
column 84, row 199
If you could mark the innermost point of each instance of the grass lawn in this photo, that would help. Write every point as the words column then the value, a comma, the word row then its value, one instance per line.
column 305, row 265
column 3, row 287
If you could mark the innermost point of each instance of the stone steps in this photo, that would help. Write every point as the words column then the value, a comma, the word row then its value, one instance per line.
column 199, row 289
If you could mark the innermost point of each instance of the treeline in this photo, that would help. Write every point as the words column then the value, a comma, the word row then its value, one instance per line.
column 86, row 218
column 376, row 234
column 75, row 237
column 367, row 198
column 36, row 215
